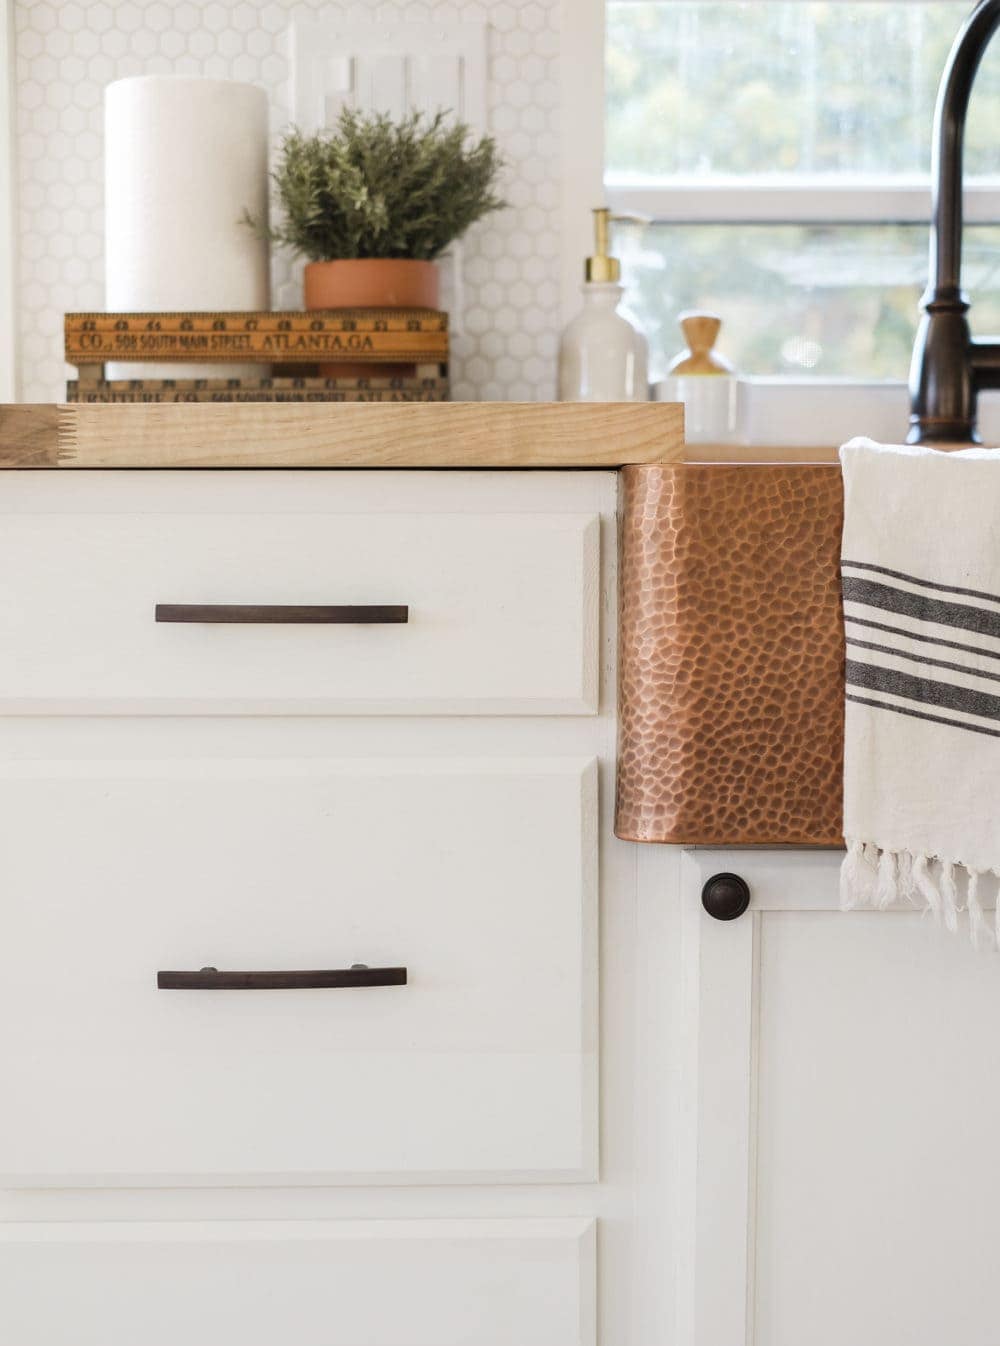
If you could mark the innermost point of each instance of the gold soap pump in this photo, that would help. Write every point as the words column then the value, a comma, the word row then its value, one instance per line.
column 603, row 357
column 602, row 268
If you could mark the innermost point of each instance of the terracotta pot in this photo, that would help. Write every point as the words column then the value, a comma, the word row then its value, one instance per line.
column 371, row 282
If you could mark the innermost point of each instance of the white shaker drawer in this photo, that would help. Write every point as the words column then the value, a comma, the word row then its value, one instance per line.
column 319, row 1283
column 476, row 875
column 502, row 613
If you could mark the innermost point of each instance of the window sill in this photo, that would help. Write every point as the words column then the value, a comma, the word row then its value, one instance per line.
column 776, row 413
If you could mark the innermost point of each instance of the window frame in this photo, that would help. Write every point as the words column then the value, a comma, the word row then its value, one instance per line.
column 762, row 199
column 779, row 403
column 8, row 324
column 581, row 81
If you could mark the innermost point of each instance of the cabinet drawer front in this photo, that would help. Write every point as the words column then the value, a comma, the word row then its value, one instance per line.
column 322, row 1283
column 478, row 876
column 487, row 613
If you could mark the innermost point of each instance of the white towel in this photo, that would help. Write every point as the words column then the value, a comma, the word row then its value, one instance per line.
column 921, row 581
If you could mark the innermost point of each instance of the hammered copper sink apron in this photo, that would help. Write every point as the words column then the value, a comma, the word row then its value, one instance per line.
column 731, row 680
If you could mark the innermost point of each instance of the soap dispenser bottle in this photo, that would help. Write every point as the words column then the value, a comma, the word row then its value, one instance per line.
column 602, row 356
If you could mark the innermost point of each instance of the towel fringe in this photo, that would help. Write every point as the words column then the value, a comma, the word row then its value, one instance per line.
column 904, row 867
column 876, row 877
column 887, row 890
column 979, row 931
column 925, row 886
column 855, row 878
column 949, row 896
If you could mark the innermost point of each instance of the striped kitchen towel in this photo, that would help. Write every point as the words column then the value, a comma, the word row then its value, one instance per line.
column 920, row 572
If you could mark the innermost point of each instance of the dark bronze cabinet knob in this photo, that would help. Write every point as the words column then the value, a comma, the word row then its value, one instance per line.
column 725, row 896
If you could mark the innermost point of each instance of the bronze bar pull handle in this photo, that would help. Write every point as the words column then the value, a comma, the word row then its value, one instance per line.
column 365, row 614
column 211, row 979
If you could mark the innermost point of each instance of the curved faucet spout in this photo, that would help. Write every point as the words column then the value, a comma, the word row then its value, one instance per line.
column 949, row 368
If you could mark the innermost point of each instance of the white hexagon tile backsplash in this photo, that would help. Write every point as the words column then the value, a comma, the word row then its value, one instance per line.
column 67, row 52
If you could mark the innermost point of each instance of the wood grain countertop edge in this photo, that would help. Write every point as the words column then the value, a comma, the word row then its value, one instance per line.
column 329, row 435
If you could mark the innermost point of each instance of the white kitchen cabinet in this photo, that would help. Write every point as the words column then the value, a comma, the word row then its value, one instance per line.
column 794, row 1133
column 322, row 1283
column 793, row 1139
column 502, row 608
column 478, row 875
column 837, row 1106
column 418, row 1164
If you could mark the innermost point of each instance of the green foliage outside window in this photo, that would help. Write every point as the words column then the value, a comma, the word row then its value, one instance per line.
column 786, row 86
column 795, row 89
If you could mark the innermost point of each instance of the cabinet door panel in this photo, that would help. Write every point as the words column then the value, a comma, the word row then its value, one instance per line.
column 477, row 875
column 843, row 1104
column 502, row 613
column 321, row 1283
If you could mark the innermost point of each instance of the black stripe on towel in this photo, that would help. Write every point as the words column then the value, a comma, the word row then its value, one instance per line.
column 873, row 678
column 922, row 659
column 925, row 584
column 919, row 607
column 923, row 715
column 927, row 640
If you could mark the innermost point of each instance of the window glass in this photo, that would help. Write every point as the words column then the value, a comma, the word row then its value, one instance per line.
column 845, row 87
column 809, row 300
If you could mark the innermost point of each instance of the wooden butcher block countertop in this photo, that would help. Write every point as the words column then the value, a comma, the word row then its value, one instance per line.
column 340, row 434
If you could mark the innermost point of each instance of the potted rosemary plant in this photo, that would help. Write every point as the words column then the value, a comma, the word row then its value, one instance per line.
column 373, row 203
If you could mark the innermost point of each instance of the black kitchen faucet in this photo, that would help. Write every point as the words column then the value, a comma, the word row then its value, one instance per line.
column 949, row 367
